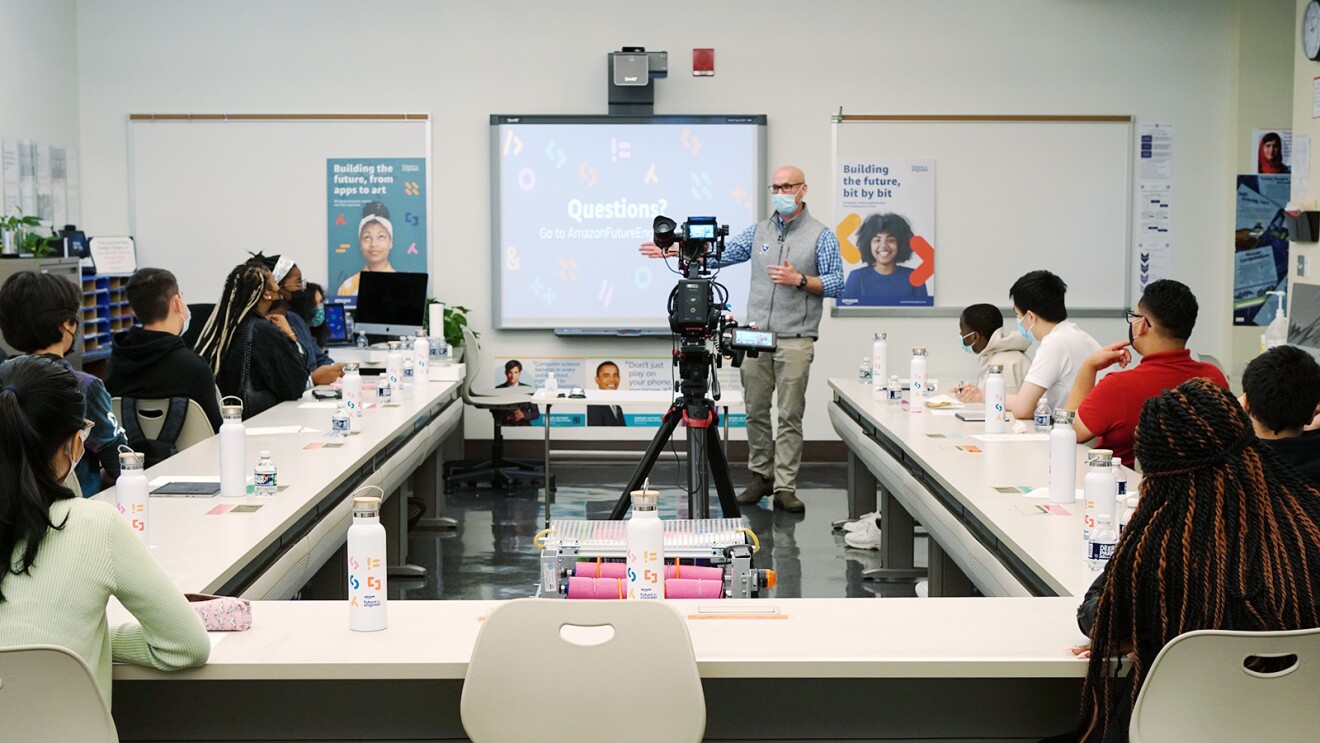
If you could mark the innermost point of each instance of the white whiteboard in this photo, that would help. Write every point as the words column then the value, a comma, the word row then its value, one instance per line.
column 203, row 193
column 1014, row 195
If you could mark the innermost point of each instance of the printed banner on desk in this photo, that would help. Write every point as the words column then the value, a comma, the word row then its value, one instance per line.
column 1260, row 247
column 376, row 210
column 886, row 231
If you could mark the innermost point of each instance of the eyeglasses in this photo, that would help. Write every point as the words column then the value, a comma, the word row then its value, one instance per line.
column 784, row 187
column 86, row 430
column 1133, row 316
column 301, row 285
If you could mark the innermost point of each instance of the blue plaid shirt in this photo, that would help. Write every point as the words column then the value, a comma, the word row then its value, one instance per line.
column 828, row 260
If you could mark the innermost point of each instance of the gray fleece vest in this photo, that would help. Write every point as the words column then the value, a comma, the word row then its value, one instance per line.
column 787, row 310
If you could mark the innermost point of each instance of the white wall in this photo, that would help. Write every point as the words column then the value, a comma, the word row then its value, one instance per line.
column 39, row 71
column 1173, row 61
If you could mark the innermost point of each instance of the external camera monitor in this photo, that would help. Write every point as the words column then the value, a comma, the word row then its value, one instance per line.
column 390, row 303
column 701, row 228
column 336, row 328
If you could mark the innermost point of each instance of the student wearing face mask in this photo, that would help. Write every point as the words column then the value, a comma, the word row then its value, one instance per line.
column 153, row 361
column 982, row 333
column 309, row 304
column 289, row 278
column 39, row 316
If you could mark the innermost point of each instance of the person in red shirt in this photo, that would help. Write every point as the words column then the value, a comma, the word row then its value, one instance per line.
column 1158, row 329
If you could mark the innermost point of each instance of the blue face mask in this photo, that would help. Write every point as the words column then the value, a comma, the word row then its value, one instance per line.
column 966, row 347
column 1024, row 331
column 318, row 317
column 784, row 203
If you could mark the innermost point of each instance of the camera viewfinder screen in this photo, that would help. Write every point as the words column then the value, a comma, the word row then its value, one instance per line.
column 701, row 230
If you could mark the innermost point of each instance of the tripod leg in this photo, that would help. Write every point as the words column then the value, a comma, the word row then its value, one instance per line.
column 719, row 467
column 653, row 450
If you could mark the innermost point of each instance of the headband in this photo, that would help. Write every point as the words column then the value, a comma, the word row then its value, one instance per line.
column 283, row 265
column 376, row 218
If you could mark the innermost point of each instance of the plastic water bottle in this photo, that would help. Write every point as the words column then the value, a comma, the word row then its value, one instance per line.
column 1042, row 416
column 233, row 458
column 1129, row 507
column 421, row 359
column 340, row 423
column 879, row 363
column 264, row 479
column 917, row 375
column 1063, row 458
column 894, row 391
column 1120, row 486
column 1100, row 545
column 361, row 340
column 352, row 390
column 1097, row 490
column 366, row 567
column 551, row 384
column 864, row 371
column 394, row 370
column 131, row 492
column 994, row 399
column 646, row 547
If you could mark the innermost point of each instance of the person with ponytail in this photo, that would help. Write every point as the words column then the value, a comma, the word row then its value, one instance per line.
column 289, row 278
column 1226, row 536
column 39, row 314
column 66, row 555
column 253, row 357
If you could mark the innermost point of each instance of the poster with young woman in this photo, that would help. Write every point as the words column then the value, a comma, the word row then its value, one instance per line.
column 1272, row 149
column 886, row 231
column 376, row 218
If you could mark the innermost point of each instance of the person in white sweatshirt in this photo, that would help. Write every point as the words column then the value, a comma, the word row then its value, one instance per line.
column 981, row 333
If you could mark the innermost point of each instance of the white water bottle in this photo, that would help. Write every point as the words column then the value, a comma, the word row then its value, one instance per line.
column 366, row 567
column 1100, row 545
column 233, row 458
column 1097, row 489
column 917, row 381
column 394, row 371
column 880, row 364
column 551, row 384
column 131, row 492
column 1063, row 458
column 352, row 391
column 421, row 359
column 646, row 547
column 994, row 400
column 264, row 477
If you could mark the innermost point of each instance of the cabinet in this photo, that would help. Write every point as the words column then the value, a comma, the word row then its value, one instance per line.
column 105, row 311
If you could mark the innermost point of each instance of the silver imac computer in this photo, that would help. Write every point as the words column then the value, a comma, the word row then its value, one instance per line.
column 1304, row 320
column 390, row 304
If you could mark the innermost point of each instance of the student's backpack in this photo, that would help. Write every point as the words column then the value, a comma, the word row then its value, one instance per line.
column 163, row 446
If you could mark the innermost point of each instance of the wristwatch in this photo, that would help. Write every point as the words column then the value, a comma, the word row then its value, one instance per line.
column 802, row 282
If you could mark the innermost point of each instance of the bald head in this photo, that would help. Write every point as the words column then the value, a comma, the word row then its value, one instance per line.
column 789, row 174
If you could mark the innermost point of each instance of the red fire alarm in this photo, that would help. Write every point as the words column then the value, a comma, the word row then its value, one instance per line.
column 703, row 62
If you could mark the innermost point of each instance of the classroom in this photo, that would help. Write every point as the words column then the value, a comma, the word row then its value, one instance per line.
column 888, row 344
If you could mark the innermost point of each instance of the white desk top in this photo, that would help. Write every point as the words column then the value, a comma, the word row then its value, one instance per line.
column 820, row 638
column 201, row 552
column 728, row 398
column 1051, row 546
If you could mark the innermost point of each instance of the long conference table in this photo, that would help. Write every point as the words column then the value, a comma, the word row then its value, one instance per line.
column 947, row 669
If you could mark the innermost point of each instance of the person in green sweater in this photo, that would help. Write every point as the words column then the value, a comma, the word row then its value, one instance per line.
column 68, row 556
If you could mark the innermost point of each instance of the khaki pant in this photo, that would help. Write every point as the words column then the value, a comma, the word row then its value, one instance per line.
column 786, row 373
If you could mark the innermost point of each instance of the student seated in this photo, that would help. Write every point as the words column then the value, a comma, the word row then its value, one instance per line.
column 1281, row 394
column 1042, row 316
column 288, row 276
column 152, row 361
column 309, row 304
column 1208, row 483
column 67, row 555
column 981, row 332
column 253, row 357
column 1158, row 330
column 39, row 315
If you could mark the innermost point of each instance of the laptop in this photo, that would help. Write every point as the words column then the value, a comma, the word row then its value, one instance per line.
column 336, row 325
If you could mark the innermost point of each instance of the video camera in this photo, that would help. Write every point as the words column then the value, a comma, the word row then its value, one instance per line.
column 698, row 237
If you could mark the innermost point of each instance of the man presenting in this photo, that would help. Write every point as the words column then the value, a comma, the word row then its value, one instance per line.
column 795, row 265
column 607, row 378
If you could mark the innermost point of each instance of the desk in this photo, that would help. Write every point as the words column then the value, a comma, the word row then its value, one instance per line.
column 621, row 398
column 898, row 669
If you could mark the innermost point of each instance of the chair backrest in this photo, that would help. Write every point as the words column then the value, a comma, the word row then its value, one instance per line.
column 473, row 368
column 49, row 693
column 151, row 416
column 1199, row 689
column 560, row 671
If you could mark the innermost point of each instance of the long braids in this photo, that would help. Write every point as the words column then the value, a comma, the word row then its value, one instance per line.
column 1226, row 536
column 243, row 289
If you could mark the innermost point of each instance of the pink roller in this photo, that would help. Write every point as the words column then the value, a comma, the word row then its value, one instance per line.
column 620, row 570
column 693, row 588
column 597, row 588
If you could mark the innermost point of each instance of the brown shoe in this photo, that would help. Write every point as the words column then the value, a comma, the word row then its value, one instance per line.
column 760, row 487
column 788, row 500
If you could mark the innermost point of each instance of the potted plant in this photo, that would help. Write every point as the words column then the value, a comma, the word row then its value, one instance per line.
column 14, row 235
column 455, row 321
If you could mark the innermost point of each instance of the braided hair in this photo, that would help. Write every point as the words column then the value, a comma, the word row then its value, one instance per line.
column 243, row 289
column 1225, row 537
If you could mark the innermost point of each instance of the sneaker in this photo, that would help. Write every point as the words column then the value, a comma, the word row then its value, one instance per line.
column 860, row 523
column 788, row 501
column 866, row 538
column 760, row 487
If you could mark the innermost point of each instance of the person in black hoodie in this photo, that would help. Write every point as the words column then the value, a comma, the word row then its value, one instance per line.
column 152, row 361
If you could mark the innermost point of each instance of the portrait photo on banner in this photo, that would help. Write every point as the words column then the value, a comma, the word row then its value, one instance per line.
column 886, row 229
column 376, row 218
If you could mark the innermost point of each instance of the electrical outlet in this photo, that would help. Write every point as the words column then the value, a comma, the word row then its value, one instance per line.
column 1303, row 267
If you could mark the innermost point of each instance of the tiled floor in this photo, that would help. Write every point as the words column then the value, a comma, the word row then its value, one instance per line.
column 490, row 555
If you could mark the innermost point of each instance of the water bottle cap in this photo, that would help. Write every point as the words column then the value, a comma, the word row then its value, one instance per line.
column 646, row 500
column 420, row 333
column 1100, row 457
column 996, row 368
column 1063, row 416
column 231, row 410
column 1102, row 518
column 919, row 351
column 394, row 345
column 265, row 454
column 881, row 336
column 132, row 460
column 366, row 504
column 350, row 366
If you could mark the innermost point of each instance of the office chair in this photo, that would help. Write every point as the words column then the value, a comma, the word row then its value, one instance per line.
column 619, row 653
column 1220, row 685
column 499, row 470
column 32, row 677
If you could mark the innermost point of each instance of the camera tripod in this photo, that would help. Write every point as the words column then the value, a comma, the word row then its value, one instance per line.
column 694, row 407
